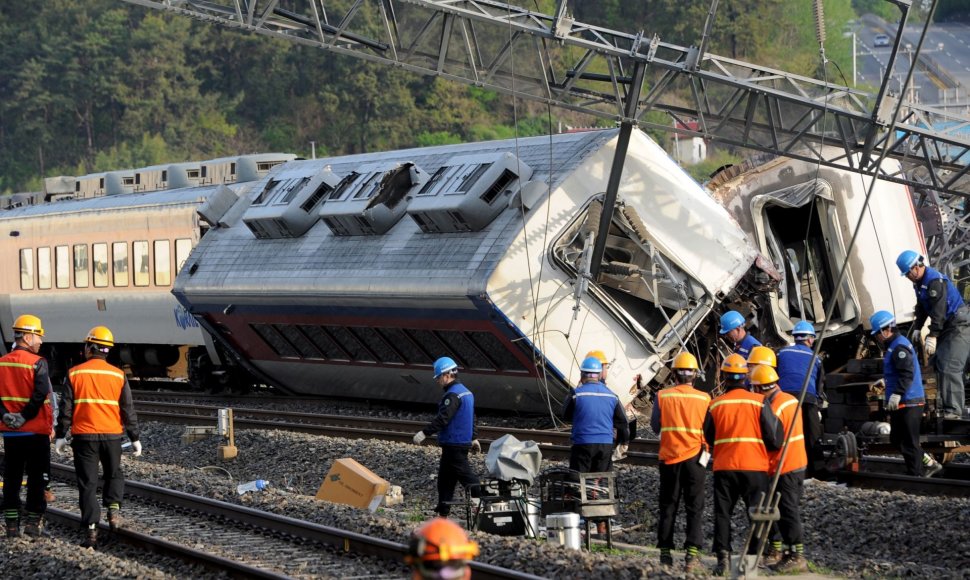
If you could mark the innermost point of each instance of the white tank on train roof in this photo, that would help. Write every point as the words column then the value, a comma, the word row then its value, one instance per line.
column 366, row 315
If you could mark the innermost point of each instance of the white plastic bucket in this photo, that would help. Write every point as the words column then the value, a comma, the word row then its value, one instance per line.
column 563, row 529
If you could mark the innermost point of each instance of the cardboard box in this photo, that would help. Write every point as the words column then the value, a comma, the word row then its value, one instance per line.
column 350, row 483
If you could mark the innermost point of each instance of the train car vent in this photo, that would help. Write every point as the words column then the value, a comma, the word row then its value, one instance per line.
column 372, row 199
column 285, row 204
column 217, row 204
column 468, row 192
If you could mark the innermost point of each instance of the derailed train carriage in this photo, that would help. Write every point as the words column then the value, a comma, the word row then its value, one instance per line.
column 348, row 276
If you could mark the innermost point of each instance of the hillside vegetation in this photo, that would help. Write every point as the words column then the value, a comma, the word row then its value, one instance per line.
column 90, row 85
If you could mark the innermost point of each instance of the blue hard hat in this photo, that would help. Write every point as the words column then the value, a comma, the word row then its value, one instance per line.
column 731, row 320
column 906, row 261
column 443, row 365
column 803, row 328
column 881, row 320
column 591, row 364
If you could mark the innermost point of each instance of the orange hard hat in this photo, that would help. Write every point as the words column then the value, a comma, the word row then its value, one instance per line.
column 100, row 335
column 437, row 541
column 685, row 361
column 28, row 324
column 762, row 355
column 735, row 364
column 763, row 376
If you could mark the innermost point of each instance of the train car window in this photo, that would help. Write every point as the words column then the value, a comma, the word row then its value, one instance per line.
column 139, row 258
column 489, row 343
column 275, row 340
column 469, row 352
column 350, row 343
column 44, row 268
column 375, row 342
column 403, row 344
column 99, row 259
column 62, row 267
column 323, row 342
column 292, row 333
column 183, row 247
column 163, row 263
column 27, row 269
column 430, row 342
column 81, row 266
column 119, row 255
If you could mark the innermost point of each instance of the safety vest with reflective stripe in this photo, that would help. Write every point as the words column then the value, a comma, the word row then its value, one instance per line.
column 738, row 445
column 786, row 408
column 16, row 388
column 97, row 388
column 682, row 412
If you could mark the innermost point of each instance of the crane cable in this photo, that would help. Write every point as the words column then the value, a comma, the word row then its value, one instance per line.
column 762, row 529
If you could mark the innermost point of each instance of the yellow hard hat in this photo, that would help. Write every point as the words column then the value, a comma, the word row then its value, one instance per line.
column 685, row 361
column 762, row 355
column 598, row 354
column 735, row 364
column 763, row 375
column 100, row 335
column 28, row 323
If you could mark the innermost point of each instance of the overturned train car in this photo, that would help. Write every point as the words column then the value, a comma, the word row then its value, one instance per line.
column 348, row 276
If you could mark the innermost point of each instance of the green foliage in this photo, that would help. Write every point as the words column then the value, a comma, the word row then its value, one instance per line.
column 882, row 8
column 99, row 84
column 702, row 171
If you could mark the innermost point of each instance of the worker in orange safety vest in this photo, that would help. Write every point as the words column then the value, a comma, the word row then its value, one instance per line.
column 98, row 410
column 678, row 416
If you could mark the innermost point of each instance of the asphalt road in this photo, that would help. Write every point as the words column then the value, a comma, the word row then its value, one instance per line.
column 955, row 54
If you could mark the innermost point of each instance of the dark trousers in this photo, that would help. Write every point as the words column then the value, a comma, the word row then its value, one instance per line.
column 591, row 457
column 87, row 455
column 789, row 526
column 30, row 455
column 681, row 480
column 729, row 487
column 454, row 468
column 904, row 434
column 812, row 428
column 950, row 361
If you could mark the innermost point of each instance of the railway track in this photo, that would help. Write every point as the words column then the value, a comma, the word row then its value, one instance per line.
column 243, row 542
column 875, row 472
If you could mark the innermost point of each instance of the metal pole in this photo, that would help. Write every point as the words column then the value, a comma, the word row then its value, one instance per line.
column 616, row 171
column 855, row 77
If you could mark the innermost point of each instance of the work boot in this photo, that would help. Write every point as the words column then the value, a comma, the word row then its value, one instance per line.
column 13, row 527
column 932, row 469
column 691, row 559
column 90, row 537
column 723, row 563
column 666, row 559
column 115, row 520
column 773, row 554
column 34, row 526
column 792, row 562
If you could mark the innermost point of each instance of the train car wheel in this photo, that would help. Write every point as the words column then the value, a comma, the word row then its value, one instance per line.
column 847, row 451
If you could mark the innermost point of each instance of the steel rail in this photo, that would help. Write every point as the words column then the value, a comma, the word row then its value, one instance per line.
column 343, row 540
column 171, row 549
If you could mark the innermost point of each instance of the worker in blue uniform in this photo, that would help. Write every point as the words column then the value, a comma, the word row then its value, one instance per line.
column 949, row 340
column 595, row 412
column 732, row 328
column 793, row 366
column 455, row 427
column 904, row 394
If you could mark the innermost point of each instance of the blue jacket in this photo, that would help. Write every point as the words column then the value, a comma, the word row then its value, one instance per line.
column 936, row 297
column 455, row 421
column 595, row 411
column 792, row 366
column 902, row 372
column 747, row 343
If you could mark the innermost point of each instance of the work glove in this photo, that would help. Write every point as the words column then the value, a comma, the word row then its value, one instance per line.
column 59, row 446
column 419, row 437
column 476, row 446
column 620, row 451
column 136, row 448
column 929, row 346
column 14, row 420
column 893, row 404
